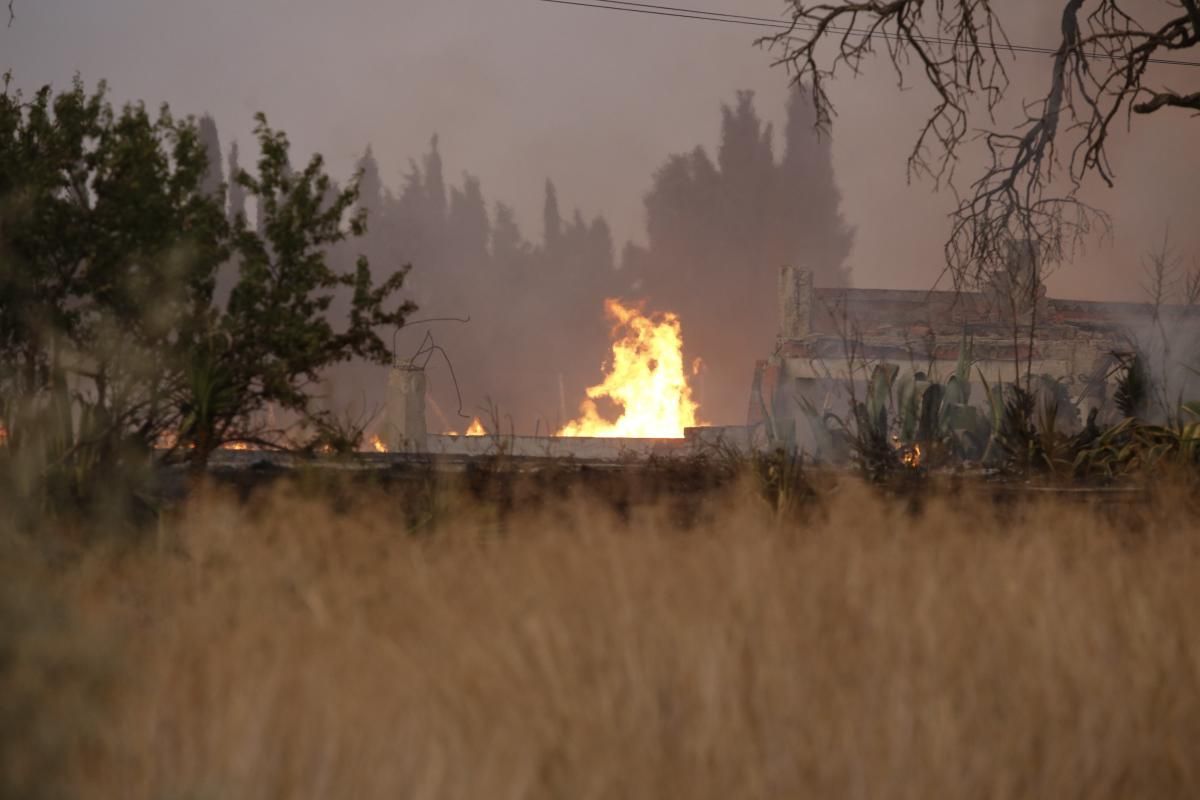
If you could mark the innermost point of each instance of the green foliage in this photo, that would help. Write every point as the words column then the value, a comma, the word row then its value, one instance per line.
column 1025, row 431
column 909, row 420
column 1033, row 429
column 111, row 342
column 1134, row 387
column 275, row 336
column 781, row 480
column 107, row 254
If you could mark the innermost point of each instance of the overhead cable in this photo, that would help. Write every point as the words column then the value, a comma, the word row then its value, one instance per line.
column 745, row 20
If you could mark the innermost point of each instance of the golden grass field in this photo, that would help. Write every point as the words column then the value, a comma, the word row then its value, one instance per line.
column 866, row 649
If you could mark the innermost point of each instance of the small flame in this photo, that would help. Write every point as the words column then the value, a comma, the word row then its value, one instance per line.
column 476, row 428
column 239, row 446
column 169, row 440
column 911, row 457
column 647, row 378
column 377, row 444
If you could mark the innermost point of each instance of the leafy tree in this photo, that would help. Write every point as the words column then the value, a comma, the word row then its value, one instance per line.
column 111, row 340
column 108, row 246
column 273, row 340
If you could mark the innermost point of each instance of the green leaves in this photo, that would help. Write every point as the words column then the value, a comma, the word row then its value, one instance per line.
column 278, row 330
column 110, row 244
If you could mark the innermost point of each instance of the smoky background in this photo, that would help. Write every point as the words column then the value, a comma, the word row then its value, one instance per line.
column 609, row 108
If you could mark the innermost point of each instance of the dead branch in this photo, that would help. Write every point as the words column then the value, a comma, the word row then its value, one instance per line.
column 959, row 47
column 1161, row 99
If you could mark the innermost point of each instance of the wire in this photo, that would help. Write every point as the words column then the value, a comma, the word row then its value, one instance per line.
column 721, row 17
column 438, row 349
column 409, row 324
column 767, row 22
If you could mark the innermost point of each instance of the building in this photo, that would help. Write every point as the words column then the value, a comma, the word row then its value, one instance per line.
column 829, row 336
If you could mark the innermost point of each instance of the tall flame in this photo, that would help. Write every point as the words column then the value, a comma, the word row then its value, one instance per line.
column 646, row 379
column 476, row 428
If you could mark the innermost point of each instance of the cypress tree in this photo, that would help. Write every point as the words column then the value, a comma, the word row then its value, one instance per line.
column 552, row 225
column 237, row 192
column 213, row 178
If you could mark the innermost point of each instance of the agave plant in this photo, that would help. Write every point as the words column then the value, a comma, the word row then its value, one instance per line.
column 1034, row 428
column 908, row 420
column 1134, row 447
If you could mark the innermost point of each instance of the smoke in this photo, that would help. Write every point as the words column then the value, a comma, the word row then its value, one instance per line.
column 596, row 101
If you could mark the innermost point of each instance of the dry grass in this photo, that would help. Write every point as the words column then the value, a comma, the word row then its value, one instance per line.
column 282, row 650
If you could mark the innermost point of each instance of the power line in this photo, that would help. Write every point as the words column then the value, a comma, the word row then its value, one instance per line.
column 767, row 22
column 720, row 17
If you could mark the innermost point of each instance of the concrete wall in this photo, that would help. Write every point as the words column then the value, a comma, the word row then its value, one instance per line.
column 922, row 331
column 404, row 415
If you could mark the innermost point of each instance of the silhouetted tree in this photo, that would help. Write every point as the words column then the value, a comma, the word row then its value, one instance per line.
column 820, row 235
column 510, row 252
column 552, row 225
column 236, row 192
column 213, row 180
column 718, row 234
column 469, row 228
column 370, row 184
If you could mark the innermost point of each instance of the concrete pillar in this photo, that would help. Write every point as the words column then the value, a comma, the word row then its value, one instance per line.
column 404, row 417
column 795, row 303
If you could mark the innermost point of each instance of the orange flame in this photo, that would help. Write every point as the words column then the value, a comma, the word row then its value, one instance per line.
column 476, row 428
column 911, row 458
column 3, row 435
column 377, row 444
column 647, row 378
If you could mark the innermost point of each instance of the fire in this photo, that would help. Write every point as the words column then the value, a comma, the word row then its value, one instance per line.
column 911, row 457
column 647, row 378
column 3, row 435
column 476, row 429
column 377, row 444
column 239, row 446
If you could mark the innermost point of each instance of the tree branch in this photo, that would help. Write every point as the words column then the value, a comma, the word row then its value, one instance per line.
column 1025, row 195
column 1193, row 10
column 1161, row 99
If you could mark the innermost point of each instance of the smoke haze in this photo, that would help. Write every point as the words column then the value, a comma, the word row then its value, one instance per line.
column 521, row 91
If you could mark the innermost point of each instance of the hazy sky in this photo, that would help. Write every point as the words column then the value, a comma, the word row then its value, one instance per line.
column 521, row 90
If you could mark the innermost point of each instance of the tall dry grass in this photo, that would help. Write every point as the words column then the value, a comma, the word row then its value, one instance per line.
column 280, row 649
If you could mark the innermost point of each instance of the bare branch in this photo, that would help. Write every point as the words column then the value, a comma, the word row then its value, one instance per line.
column 1172, row 99
column 1027, row 194
column 958, row 52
